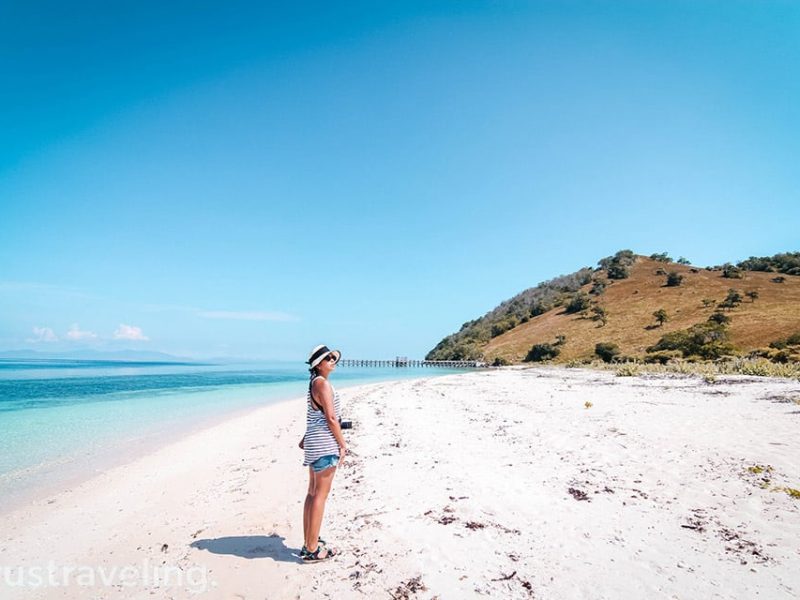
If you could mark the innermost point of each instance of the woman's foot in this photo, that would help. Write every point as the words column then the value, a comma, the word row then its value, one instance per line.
column 321, row 553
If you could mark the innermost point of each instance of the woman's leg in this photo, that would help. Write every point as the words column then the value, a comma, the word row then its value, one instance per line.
column 307, row 505
column 322, row 486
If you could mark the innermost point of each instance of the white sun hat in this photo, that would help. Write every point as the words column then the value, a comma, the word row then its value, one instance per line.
column 319, row 353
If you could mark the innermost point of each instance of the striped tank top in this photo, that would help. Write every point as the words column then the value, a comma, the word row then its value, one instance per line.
column 319, row 440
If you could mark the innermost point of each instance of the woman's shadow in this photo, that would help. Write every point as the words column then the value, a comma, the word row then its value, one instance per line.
column 251, row 546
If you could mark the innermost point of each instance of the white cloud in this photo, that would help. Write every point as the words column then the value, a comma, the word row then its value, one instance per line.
column 75, row 334
column 43, row 334
column 130, row 332
column 254, row 315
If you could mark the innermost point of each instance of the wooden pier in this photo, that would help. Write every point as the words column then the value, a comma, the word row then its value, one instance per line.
column 402, row 361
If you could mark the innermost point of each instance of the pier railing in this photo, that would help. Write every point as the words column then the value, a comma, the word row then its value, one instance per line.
column 401, row 361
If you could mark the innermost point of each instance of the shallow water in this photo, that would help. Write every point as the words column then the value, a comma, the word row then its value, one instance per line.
column 63, row 419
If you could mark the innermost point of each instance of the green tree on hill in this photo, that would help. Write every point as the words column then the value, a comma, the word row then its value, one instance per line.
column 662, row 257
column 674, row 279
column 600, row 314
column 607, row 351
column 752, row 294
column 684, row 261
column 542, row 352
column 719, row 318
column 732, row 300
column 732, row 272
column 706, row 340
column 661, row 316
column 579, row 303
column 617, row 266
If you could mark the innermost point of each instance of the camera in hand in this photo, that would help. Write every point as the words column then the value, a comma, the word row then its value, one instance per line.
column 346, row 424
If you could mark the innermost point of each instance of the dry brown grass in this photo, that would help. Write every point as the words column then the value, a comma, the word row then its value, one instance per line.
column 630, row 304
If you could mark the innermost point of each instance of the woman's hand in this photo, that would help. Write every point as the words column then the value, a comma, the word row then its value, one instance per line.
column 342, row 453
column 302, row 444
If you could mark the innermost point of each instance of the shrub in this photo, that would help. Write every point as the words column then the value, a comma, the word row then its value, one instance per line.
column 663, row 357
column 628, row 370
column 752, row 294
column 500, row 362
column 732, row 300
column 708, row 302
column 501, row 327
column 674, row 279
column 600, row 314
column 541, row 352
column 731, row 272
column 661, row 316
column 598, row 287
column 662, row 257
column 684, row 261
column 792, row 340
column 607, row 351
column 618, row 272
column 778, row 279
column 617, row 266
column 706, row 340
column 719, row 318
column 660, row 271
column 560, row 340
column 579, row 303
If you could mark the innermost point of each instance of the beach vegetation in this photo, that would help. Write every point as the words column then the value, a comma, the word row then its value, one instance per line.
column 783, row 343
column 758, row 469
column 674, row 279
column 663, row 357
column 607, row 351
column 629, row 369
column 793, row 493
column 709, row 378
column 500, row 362
column 588, row 404
column 542, row 352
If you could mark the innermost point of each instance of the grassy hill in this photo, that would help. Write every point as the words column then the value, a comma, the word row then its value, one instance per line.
column 629, row 304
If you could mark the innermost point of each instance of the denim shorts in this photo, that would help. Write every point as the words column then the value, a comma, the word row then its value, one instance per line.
column 326, row 462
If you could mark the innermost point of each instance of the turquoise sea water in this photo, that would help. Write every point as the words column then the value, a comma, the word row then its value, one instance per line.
column 63, row 419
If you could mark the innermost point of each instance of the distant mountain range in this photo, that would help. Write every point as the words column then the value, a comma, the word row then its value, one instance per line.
column 643, row 307
column 126, row 355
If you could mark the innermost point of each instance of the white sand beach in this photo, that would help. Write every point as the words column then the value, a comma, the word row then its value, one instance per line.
column 493, row 483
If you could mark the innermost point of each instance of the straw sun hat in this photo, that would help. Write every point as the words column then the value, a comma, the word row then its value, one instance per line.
column 317, row 355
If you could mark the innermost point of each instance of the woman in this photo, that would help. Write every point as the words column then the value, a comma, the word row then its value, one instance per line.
column 324, row 447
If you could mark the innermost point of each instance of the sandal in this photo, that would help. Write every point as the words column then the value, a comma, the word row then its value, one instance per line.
column 314, row 556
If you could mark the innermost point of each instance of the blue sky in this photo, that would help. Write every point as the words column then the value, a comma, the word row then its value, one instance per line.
column 249, row 180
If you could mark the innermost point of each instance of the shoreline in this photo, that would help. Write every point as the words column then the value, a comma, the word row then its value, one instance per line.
column 57, row 477
column 498, row 482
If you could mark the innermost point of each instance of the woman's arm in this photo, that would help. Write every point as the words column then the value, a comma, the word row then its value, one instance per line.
column 323, row 394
